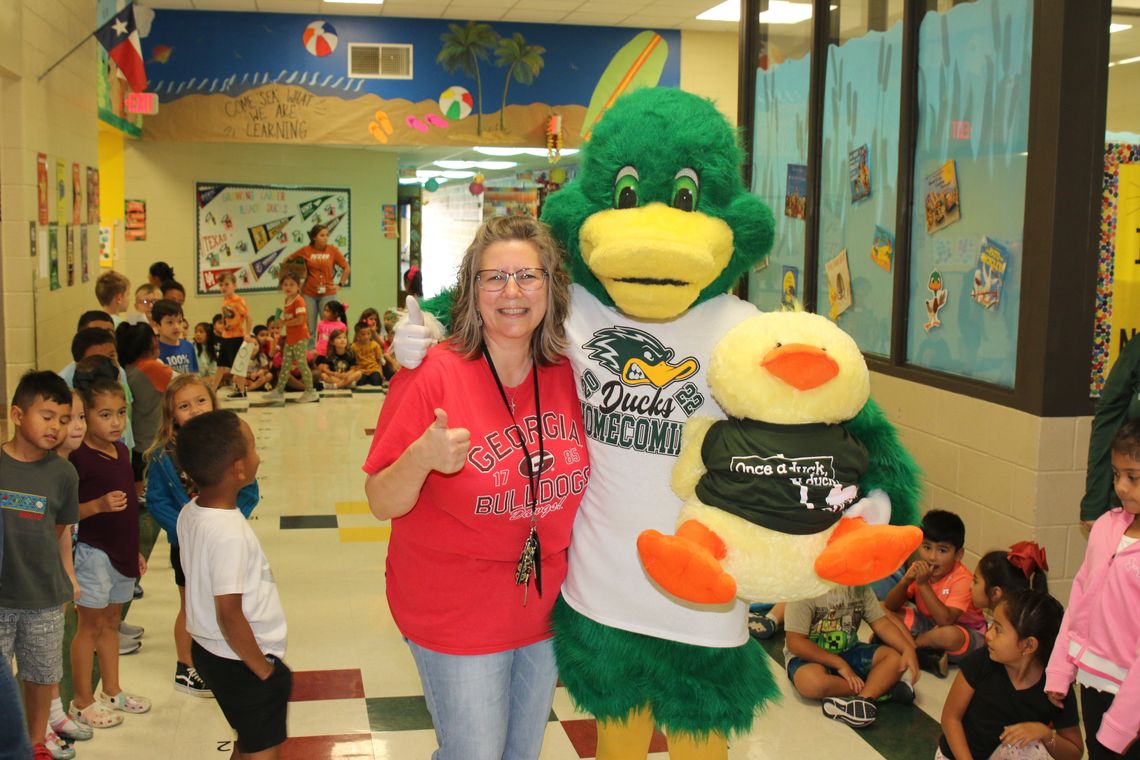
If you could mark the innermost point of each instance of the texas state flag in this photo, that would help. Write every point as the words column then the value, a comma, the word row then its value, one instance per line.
column 120, row 37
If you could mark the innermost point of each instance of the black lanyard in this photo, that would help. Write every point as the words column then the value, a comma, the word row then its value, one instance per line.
column 530, row 561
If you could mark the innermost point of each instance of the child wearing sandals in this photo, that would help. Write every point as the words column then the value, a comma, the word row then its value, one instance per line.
column 107, row 558
column 997, row 707
column 168, row 489
column 1099, row 643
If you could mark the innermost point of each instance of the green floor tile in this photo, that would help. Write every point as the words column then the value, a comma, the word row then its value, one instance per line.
column 398, row 714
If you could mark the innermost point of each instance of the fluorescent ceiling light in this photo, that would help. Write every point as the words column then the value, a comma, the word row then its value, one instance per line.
column 456, row 164
column 489, row 150
column 456, row 175
column 779, row 12
column 409, row 181
column 1128, row 60
column 1114, row 28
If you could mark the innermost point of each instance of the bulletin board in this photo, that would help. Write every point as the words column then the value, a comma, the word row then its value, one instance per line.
column 251, row 230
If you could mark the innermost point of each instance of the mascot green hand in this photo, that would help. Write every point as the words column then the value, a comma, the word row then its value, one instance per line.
column 657, row 227
column 772, row 507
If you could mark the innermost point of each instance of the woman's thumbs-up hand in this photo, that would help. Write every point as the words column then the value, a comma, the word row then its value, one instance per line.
column 442, row 448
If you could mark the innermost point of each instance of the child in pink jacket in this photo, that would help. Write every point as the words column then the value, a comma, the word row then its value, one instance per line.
column 1099, row 642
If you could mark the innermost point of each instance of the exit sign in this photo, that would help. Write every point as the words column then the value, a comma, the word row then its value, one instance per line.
column 960, row 130
column 145, row 103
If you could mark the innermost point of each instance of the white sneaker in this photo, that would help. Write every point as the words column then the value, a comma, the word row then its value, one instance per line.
column 274, row 395
column 309, row 397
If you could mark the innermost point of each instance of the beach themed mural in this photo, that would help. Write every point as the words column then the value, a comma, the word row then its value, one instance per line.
column 285, row 78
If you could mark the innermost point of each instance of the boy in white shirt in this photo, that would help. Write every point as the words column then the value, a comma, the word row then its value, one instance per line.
column 233, row 612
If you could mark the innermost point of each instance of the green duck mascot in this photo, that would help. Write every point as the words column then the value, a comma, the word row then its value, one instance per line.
column 658, row 227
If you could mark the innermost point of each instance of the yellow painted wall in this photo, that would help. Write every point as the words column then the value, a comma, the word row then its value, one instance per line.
column 164, row 175
column 709, row 62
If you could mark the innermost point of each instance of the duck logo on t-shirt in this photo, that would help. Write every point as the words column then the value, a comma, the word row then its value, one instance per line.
column 634, row 409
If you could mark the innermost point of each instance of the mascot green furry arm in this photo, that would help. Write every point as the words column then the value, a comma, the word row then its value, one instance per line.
column 657, row 226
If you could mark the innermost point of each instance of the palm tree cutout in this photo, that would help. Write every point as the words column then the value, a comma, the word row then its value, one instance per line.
column 524, row 60
column 463, row 48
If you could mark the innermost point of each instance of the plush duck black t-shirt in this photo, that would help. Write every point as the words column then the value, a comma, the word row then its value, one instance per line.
column 795, row 479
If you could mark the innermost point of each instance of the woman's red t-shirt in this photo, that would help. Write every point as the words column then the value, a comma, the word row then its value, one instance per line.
column 451, row 559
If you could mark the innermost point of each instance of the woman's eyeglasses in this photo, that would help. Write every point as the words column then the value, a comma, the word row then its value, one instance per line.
column 494, row 280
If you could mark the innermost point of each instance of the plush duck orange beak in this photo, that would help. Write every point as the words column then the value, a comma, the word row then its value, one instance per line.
column 801, row 366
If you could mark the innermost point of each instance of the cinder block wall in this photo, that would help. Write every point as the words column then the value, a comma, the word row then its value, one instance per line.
column 1011, row 476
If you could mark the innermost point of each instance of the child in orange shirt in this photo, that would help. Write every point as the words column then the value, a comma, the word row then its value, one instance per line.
column 237, row 328
column 296, row 324
column 943, row 620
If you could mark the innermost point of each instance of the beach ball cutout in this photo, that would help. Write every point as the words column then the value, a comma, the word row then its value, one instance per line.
column 456, row 102
column 319, row 38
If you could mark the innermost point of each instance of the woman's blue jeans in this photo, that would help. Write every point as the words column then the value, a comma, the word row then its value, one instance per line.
column 491, row 706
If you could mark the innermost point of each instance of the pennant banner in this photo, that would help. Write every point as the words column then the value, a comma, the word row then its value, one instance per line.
column 252, row 229
column 261, row 266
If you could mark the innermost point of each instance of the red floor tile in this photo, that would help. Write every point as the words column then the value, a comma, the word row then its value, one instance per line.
column 583, row 735
column 310, row 685
column 342, row 747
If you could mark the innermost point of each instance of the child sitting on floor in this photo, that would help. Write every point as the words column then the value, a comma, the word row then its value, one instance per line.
column 941, row 615
column 826, row 661
column 997, row 707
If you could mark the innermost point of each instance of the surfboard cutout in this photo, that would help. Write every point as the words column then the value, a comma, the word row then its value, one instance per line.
column 638, row 64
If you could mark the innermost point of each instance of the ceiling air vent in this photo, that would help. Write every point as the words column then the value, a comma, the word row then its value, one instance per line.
column 373, row 61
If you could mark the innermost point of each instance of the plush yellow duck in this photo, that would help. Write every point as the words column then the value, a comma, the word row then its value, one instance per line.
column 772, row 501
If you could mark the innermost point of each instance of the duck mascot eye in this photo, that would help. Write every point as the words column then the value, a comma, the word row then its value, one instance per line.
column 657, row 227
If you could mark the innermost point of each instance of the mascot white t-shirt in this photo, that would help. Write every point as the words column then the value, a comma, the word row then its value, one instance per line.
column 639, row 382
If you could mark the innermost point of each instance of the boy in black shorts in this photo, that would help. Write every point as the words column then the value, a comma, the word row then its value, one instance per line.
column 238, row 656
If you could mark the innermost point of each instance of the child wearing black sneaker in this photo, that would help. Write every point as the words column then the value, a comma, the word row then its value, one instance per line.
column 233, row 612
column 825, row 659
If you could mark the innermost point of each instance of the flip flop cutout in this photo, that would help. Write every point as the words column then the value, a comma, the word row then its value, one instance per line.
column 436, row 121
column 384, row 122
column 375, row 130
column 416, row 124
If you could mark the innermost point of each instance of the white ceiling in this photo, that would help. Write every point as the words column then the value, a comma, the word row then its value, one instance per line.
column 659, row 14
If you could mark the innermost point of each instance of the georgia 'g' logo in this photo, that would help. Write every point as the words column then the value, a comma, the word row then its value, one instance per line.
column 638, row 358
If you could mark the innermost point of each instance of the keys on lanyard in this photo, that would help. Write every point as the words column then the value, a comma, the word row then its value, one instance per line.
column 530, row 563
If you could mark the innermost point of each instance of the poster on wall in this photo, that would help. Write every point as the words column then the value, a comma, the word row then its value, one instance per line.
column 839, row 293
column 859, row 169
column 252, row 230
column 60, row 191
column 790, row 288
column 390, row 222
column 943, row 206
column 69, row 249
column 135, row 217
column 32, row 238
column 106, row 257
column 993, row 258
column 795, row 201
column 92, row 195
column 42, row 186
column 76, row 196
column 53, row 254
column 84, row 261
column 883, row 248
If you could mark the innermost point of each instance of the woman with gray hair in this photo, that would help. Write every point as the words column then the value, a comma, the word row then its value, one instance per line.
column 480, row 461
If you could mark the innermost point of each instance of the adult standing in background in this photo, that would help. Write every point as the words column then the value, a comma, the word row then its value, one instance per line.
column 320, row 259
column 159, row 273
column 1119, row 402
